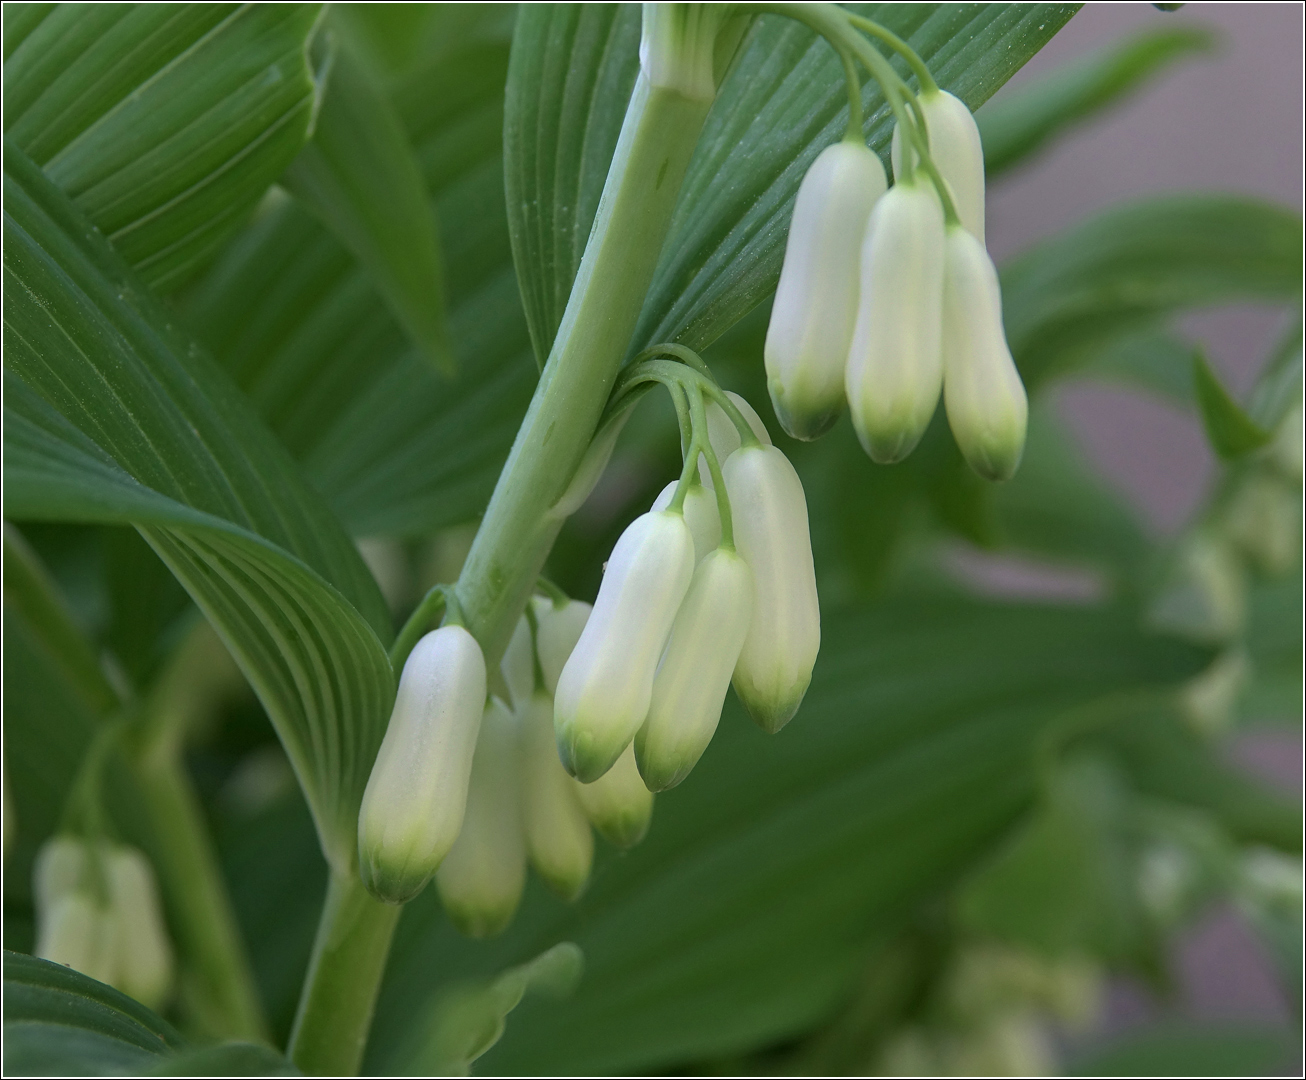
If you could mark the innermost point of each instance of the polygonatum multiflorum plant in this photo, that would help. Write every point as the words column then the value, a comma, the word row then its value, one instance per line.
column 276, row 451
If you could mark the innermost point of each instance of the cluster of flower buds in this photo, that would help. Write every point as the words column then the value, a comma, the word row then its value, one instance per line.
column 690, row 603
column 885, row 301
column 97, row 909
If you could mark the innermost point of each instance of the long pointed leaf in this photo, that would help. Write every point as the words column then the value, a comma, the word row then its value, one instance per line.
column 112, row 416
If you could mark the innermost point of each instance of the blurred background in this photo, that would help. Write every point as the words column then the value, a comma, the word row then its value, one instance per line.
column 1227, row 119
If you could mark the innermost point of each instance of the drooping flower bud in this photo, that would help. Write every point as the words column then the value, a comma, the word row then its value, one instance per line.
column 771, row 534
column 557, row 629
column 955, row 146
column 413, row 806
column 985, row 398
column 895, row 364
column 558, row 837
column 604, row 689
column 518, row 665
column 815, row 306
column 75, row 923
column 81, row 933
column 700, row 515
column 618, row 804
column 724, row 436
column 690, row 688
column 481, row 879
column 143, row 967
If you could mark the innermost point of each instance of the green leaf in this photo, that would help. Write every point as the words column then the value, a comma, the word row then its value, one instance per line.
column 1124, row 269
column 164, row 123
column 358, row 175
column 1274, row 646
column 1230, row 431
column 298, row 324
column 469, row 1020
column 1190, row 1050
column 1156, row 361
column 1018, row 125
column 113, row 416
column 768, row 875
column 781, row 104
column 58, row 1021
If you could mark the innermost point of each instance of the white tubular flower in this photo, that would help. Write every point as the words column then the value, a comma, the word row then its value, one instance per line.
column 618, row 804
column 557, row 629
column 75, row 922
column 895, row 364
column 815, row 306
column 604, row 689
column 771, row 535
column 558, row 837
column 955, row 147
column 518, row 665
column 691, row 684
column 413, row 806
column 700, row 515
column 81, row 934
column 987, row 408
column 143, row 966
column 481, row 879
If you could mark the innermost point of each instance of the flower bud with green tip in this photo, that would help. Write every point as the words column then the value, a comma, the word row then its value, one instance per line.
column 143, row 966
column 955, row 147
column 413, row 805
column 481, row 879
column 985, row 399
column 691, row 684
column 895, row 363
column 771, row 535
column 558, row 837
column 604, row 689
column 815, row 306
column 557, row 629
column 618, row 804
column 701, row 516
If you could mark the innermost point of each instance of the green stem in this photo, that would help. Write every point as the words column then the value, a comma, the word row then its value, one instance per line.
column 344, row 975
column 714, row 467
column 218, row 985
column 519, row 527
column 855, row 112
column 432, row 604
column 923, row 75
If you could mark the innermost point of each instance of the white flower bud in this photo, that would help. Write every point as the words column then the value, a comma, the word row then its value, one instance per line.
column 724, row 436
column 481, row 879
column 895, row 364
column 604, row 689
column 518, row 665
column 815, row 306
column 413, row 806
column 618, row 804
column 690, row 688
column 61, row 867
column 79, row 933
column 557, row 629
column 771, row 535
column 985, row 398
column 143, row 966
column 700, row 515
column 954, row 140
column 558, row 836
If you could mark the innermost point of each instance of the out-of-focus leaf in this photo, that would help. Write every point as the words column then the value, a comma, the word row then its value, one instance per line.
column 358, row 175
column 781, row 104
column 57, row 1021
column 1152, row 360
column 165, row 123
column 1230, row 431
column 114, row 417
column 227, row 1059
column 1120, row 271
column 469, row 1020
column 768, row 875
column 1274, row 647
column 297, row 322
column 1022, row 122
column 1280, row 385
column 1190, row 1050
